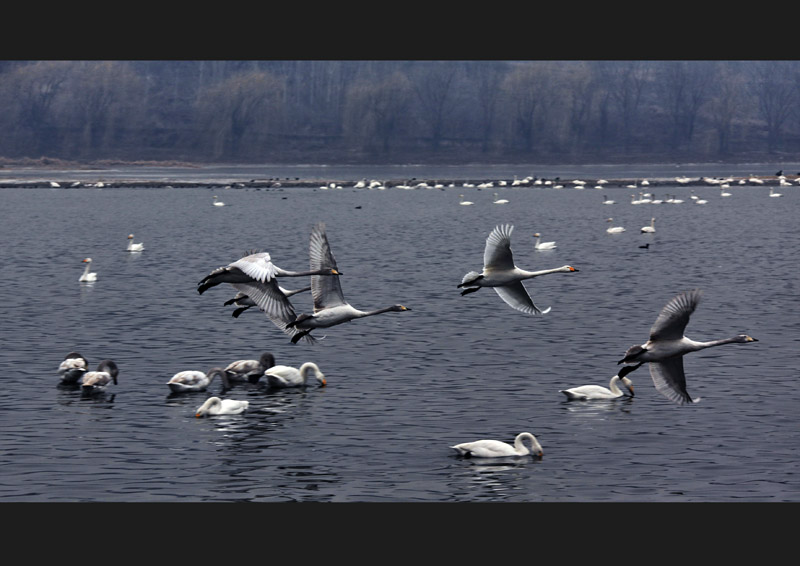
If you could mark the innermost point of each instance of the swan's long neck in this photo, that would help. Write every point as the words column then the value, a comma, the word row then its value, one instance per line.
column 711, row 343
column 306, row 369
column 86, row 269
column 528, row 274
column 519, row 443
column 612, row 385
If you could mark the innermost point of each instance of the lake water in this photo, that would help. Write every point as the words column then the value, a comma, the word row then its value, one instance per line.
column 402, row 387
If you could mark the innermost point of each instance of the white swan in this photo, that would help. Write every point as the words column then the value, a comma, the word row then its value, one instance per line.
column 330, row 307
column 97, row 381
column 607, row 200
column 651, row 228
column 498, row 448
column 134, row 247
column 215, row 406
column 287, row 376
column 498, row 200
column 87, row 276
column 73, row 368
column 248, row 370
column 773, row 193
column 218, row 202
column 543, row 245
column 193, row 380
column 254, row 267
column 588, row 392
column 463, row 202
column 723, row 192
column 614, row 229
column 667, row 346
column 500, row 273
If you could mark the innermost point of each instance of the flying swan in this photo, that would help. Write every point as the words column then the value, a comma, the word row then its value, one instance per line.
column 667, row 345
column 243, row 302
column 498, row 448
column 506, row 278
column 330, row 307
column 253, row 267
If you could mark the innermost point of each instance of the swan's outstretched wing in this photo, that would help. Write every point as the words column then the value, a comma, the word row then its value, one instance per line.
column 325, row 289
column 497, row 254
column 516, row 296
column 259, row 266
column 674, row 317
column 271, row 300
column 670, row 381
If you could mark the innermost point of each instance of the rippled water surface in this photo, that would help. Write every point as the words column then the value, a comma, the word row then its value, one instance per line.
column 402, row 387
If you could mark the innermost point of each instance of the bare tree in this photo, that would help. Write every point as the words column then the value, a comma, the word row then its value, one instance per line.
column 432, row 82
column 374, row 111
column 244, row 108
column 773, row 84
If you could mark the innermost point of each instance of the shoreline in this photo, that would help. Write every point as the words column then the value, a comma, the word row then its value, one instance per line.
column 544, row 183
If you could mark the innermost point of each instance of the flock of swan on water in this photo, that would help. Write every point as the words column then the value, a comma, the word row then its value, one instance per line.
column 255, row 278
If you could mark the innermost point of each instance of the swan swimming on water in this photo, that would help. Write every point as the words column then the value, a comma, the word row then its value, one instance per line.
column 543, row 245
column 134, row 247
column 463, row 202
column 73, row 368
column 587, row 392
column 193, row 380
column 218, row 202
column 499, row 449
column 651, row 228
column 614, row 229
column 87, row 276
column 243, row 370
column 97, row 381
column 500, row 273
column 215, row 406
column 287, row 376
column 667, row 345
column 498, row 200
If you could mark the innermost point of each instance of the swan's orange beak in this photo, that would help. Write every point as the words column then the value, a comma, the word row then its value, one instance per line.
column 324, row 383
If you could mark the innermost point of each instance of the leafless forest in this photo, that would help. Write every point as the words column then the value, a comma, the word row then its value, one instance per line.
column 311, row 111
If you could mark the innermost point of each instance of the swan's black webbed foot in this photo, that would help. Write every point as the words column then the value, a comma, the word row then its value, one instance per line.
column 296, row 338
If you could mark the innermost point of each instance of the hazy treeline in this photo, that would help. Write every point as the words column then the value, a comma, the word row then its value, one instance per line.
column 318, row 111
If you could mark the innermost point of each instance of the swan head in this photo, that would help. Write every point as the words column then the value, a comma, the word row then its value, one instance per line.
column 400, row 308
column 87, row 260
column 267, row 360
column 537, row 235
column 745, row 338
column 568, row 269
column 130, row 236
column 628, row 384
column 110, row 368
column 203, row 409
